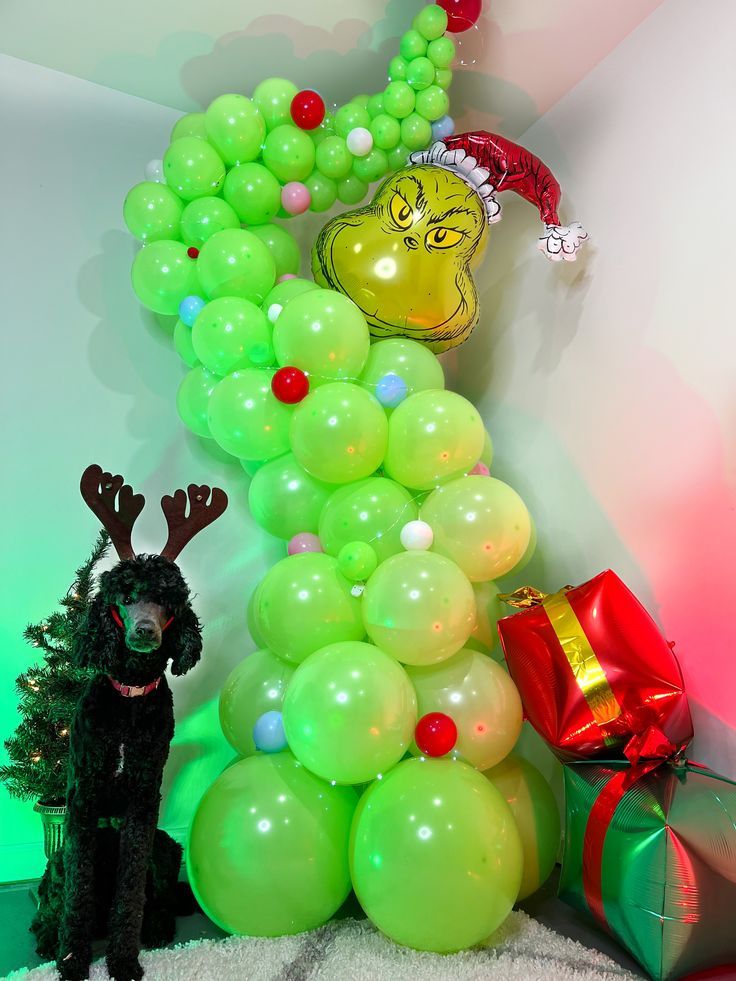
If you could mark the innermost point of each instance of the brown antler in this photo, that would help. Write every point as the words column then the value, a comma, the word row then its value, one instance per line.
column 183, row 527
column 100, row 490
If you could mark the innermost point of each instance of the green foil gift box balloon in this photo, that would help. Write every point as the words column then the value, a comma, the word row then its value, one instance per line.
column 650, row 854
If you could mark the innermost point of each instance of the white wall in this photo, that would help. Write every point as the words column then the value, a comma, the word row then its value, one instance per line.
column 607, row 386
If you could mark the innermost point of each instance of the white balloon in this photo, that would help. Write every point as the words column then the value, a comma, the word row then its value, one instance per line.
column 360, row 141
column 155, row 171
column 416, row 535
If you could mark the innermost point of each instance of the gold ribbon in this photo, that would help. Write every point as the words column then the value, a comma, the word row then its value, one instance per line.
column 585, row 666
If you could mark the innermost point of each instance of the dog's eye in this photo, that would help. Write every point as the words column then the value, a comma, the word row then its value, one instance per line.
column 127, row 599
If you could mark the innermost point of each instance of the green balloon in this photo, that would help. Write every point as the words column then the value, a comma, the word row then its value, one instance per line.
column 489, row 610
column 432, row 102
column 351, row 190
column 412, row 45
column 528, row 553
column 480, row 698
column 162, row 275
column 349, row 712
column 267, row 852
column 398, row 157
column 231, row 333
column 418, row 607
column 251, row 613
column 397, row 69
column 372, row 167
column 205, row 216
column 183, row 344
column 333, row 159
column 193, row 397
column 398, row 99
column 386, row 132
column 283, row 247
column 375, row 105
column 193, row 168
column 480, row 523
column 192, row 124
column 443, row 77
column 253, row 193
column 416, row 132
column 323, row 333
column 285, row 500
column 254, row 686
column 350, row 117
column 285, row 291
column 357, row 561
column 246, row 418
column 431, row 22
column 326, row 128
column 273, row 97
column 360, row 100
column 441, row 52
column 434, row 436
column 435, row 859
column 289, row 153
column 304, row 603
column 338, row 432
column 537, row 818
column 414, row 363
column 372, row 511
column 323, row 191
column 236, row 263
column 152, row 211
column 420, row 73
column 235, row 128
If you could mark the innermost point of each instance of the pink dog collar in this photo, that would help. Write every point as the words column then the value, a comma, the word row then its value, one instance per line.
column 132, row 691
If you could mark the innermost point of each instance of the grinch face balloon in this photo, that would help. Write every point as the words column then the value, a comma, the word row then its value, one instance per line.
column 406, row 259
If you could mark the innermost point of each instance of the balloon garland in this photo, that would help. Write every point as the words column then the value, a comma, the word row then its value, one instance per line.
column 367, row 719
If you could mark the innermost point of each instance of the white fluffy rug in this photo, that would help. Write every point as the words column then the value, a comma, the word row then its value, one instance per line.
column 352, row 950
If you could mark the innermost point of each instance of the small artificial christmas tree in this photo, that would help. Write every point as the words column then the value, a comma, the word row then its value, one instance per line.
column 48, row 695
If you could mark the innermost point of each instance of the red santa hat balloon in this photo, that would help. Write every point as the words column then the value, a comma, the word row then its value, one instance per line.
column 489, row 164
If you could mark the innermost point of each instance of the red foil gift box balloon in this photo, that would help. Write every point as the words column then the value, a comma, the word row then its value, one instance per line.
column 650, row 854
column 595, row 675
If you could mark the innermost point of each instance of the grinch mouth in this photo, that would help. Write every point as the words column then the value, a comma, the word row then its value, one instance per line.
column 375, row 321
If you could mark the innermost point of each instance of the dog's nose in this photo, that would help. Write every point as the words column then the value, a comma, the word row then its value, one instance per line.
column 146, row 630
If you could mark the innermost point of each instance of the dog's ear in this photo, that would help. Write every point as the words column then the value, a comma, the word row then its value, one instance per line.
column 185, row 640
column 97, row 637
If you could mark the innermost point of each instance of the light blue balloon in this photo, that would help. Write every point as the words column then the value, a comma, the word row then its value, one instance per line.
column 390, row 390
column 442, row 128
column 268, row 733
column 189, row 308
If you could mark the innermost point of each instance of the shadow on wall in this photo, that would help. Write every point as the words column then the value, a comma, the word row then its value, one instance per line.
column 190, row 69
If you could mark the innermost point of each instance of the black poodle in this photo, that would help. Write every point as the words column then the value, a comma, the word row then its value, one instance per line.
column 140, row 620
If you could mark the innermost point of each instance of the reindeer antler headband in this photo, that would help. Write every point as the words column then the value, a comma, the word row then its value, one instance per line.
column 117, row 507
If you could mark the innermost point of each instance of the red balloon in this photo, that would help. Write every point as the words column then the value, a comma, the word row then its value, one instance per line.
column 435, row 734
column 307, row 109
column 290, row 385
column 461, row 14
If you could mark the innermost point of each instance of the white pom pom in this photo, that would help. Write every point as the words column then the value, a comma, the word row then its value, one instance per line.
column 360, row 141
column 155, row 171
column 416, row 535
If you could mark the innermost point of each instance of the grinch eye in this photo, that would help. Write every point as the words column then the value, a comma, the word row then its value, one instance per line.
column 402, row 213
column 443, row 238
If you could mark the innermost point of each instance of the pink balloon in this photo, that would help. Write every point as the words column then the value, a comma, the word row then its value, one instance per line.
column 305, row 541
column 295, row 197
column 480, row 469
column 282, row 279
